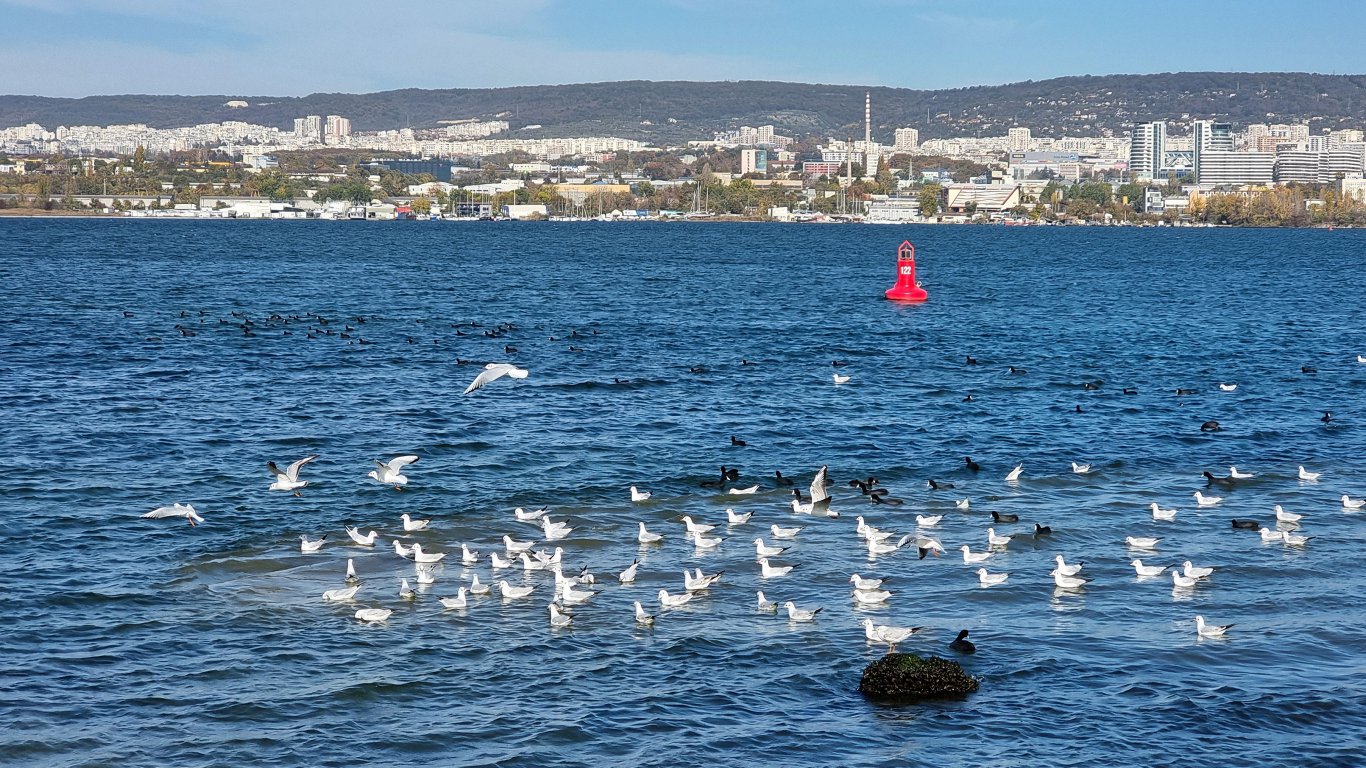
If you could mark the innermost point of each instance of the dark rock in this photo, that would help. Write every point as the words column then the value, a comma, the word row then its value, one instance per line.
column 907, row 677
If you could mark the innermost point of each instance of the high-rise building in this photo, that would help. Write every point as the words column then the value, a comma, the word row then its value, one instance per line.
column 1209, row 136
column 310, row 127
column 907, row 140
column 1146, row 146
column 753, row 161
column 1236, row 168
column 337, row 127
column 1018, row 139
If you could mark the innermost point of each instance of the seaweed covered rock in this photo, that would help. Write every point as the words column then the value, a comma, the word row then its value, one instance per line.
column 906, row 676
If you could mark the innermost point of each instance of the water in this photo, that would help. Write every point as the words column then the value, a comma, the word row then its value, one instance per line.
column 141, row 642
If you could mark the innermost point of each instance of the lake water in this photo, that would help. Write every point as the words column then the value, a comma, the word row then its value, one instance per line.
column 148, row 642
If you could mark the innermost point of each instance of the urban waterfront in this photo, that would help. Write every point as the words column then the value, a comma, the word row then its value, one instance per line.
column 151, row 363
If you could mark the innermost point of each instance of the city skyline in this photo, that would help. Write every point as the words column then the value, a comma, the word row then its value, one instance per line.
column 253, row 48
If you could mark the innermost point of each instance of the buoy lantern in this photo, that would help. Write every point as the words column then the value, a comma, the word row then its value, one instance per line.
column 906, row 288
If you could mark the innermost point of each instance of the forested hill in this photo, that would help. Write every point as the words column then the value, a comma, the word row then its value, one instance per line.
column 673, row 111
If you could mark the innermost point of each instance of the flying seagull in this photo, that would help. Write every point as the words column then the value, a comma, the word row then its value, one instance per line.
column 493, row 372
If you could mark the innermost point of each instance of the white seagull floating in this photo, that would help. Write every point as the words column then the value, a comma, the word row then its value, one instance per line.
column 1227, row 387
column 970, row 557
column 1209, row 630
column 1196, row 572
column 928, row 521
column 696, row 528
column 476, row 588
column 426, row 574
column 703, row 541
column 1308, row 476
column 288, row 480
column 866, row 585
column 1065, row 569
column 338, row 595
column 1269, row 535
column 639, row 495
column 646, row 537
column 1349, row 503
column 188, row 512
column 876, row 547
column 510, row 592
column 515, row 547
column 411, row 525
column 768, row 571
column 493, row 372
column 1067, row 582
column 753, row 489
column 962, row 504
column 673, row 601
column 1141, row 542
column 1236, row 475
column 764, row 604
column 784, row 533
column 1206, row 501
column 996, row 541
column 391, row 473
column 454, row 603
column 1294, row 540
column 735, row 518
column 373, row 615
column 426, row 557
column 890, row 635
column 841, row 379
column 1286, row 517
column 988, row 579
column 406, row 592
column 1162, row 514
column 1014, row 474
column 763, row 550
column 351, row 577
column 1081, row 469
column 558, row 618
column 1147, row 570
column 401, row 550
column 525, row 516
column 365, row 540
column 796, row 614
column 1361, row 359
column 467, row 555
column 871, row 596
column 1181, row 580
column 628, row 576
column 554, row 531
column 642, row 617
column 498, row 563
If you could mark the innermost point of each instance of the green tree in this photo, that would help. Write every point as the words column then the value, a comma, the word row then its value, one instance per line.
column 421, row 206
column 929, row 200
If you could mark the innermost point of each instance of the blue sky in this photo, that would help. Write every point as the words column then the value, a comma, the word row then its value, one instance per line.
column 294, row 47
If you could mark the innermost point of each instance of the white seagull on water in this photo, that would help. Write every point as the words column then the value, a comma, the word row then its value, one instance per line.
column 1308, row 476
column 1206, row 501
column 646, row 537
column 988, row 579
column 1147, row 570
column 1162, row 514
column 639, row 495
column 796, row 614
column 1014, row 474
column 1209, row 630
column 1236, row 475
column 883, row 633
column 288, row 480
column 183, row 510
column 339, row 595
column 365, row 540
column 374, row 615
column 311, row 546
column 493, row 372
column 1349, row 503
column 410, row 525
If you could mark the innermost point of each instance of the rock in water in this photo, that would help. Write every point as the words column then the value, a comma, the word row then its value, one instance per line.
column 905, row 676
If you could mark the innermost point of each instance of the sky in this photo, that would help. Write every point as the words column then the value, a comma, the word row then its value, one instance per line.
column 294, row 47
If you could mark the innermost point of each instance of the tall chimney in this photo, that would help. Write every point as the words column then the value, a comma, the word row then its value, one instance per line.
column 867, row 119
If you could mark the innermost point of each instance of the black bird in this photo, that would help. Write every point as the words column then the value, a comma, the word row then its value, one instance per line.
column 737, row 442
column 730, row 474
column 573, row 348
column 1222, row 482
column 934, row 486
column 972, row 465
column 1180, row 392
column 1210, row 426
column 127, row 313
column 968, row 399
column 1251, row 525
column 879, row 498
column 718, row 482
column 1308, row 369
column 746, row 362
column 697, row 369
column 1089, row 386
column 1077, row 409
column 1130, row 391
column 508, row 348
column 839, row 363
column 1042, row 530
column 1006, row 518
column 779, row 479
column 962, row 644
column 1018, row 371
column 971, row 360
column 1327, row 417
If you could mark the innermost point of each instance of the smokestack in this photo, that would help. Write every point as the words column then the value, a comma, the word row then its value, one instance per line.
column 867, row 118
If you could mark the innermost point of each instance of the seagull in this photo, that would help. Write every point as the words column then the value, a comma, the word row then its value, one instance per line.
column 673, row 601
column 840, row 379
column 525, row 516
column 410, row 525
column 426, row 574
column 401, row 550
column 642, row 617
column 1147, row 570
column 1227, row 387
column 645, row 537
column 288, row 480
column 876, row 547
column 796, row 614
column 1269, row 535
column 569, row 596
column 637, row 495
column 926, row 544
column 467, row 555
column 988, row 579
column 373, row 615
column 338, row 595
column 1209, row 630
column 351, row 577
column 426, row 557
column 406, row 592
column 871, row 596
column 763, row 550
column 365, row 540
column 1286, row 517
column 557, row 618
column 1081, row 469
column 1162, row 514
column 554, row 531
column 1361, row 358
column 529, row 564
column 453, row 603
column 1139, row 542
column 700, row 581
column 1294, row 540
column 962, row 504
column 1194, row 572
column 735, row 518
column 696, row 528
column 1236, row 475
column 764, row 604
column 493, row 372
column 497, row 562
column 753, row 489
column 1349, row 503
column 628, row 576
column 820, row 489
column 476, row 588
column 1014, row 474
column 1067, row 582
column 970, row 557
column 928, row 521
column 1180, row 579
column 391, row 473
column 784, row 533
column 510, row 592
column 996, row 541
column 514, row 547
column 1206, row 501
column 1065, row 569
column 883, row 633
column 1308, row 476
column 773, row 571
column 865, row 584
column 703, row 541
column 188, row 512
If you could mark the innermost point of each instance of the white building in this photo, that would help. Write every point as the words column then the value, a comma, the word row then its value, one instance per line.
column 906, row 140
column 1236, row 168
column 1017, row 139
column 1145, row 150
column 310, row 127
column 336, row 129
column 753, row 161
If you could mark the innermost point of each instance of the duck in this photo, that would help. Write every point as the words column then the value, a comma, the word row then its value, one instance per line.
column 962, row 644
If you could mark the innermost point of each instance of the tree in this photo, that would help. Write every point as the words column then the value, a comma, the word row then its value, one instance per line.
column 929, row 200
column 139, row 158
column 421, row 206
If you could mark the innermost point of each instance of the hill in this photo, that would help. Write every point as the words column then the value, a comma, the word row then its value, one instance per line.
column 673, row 111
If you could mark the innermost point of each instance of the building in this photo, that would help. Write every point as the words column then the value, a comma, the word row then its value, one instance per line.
column 1209, row 136
column 1353, row 187
column 753, row 161
column 981, row 198
column 1146, row 149
column 336, row 129
column 894, row 209
column 1321, row 166
column 1236, row 168
column 906, row 140
column 1017, row 139
column 310, row 127
column 817, row 168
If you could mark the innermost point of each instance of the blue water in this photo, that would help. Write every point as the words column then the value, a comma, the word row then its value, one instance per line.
column 148, row 642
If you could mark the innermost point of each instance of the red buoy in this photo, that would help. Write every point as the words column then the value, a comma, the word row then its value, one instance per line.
column 906, row 288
